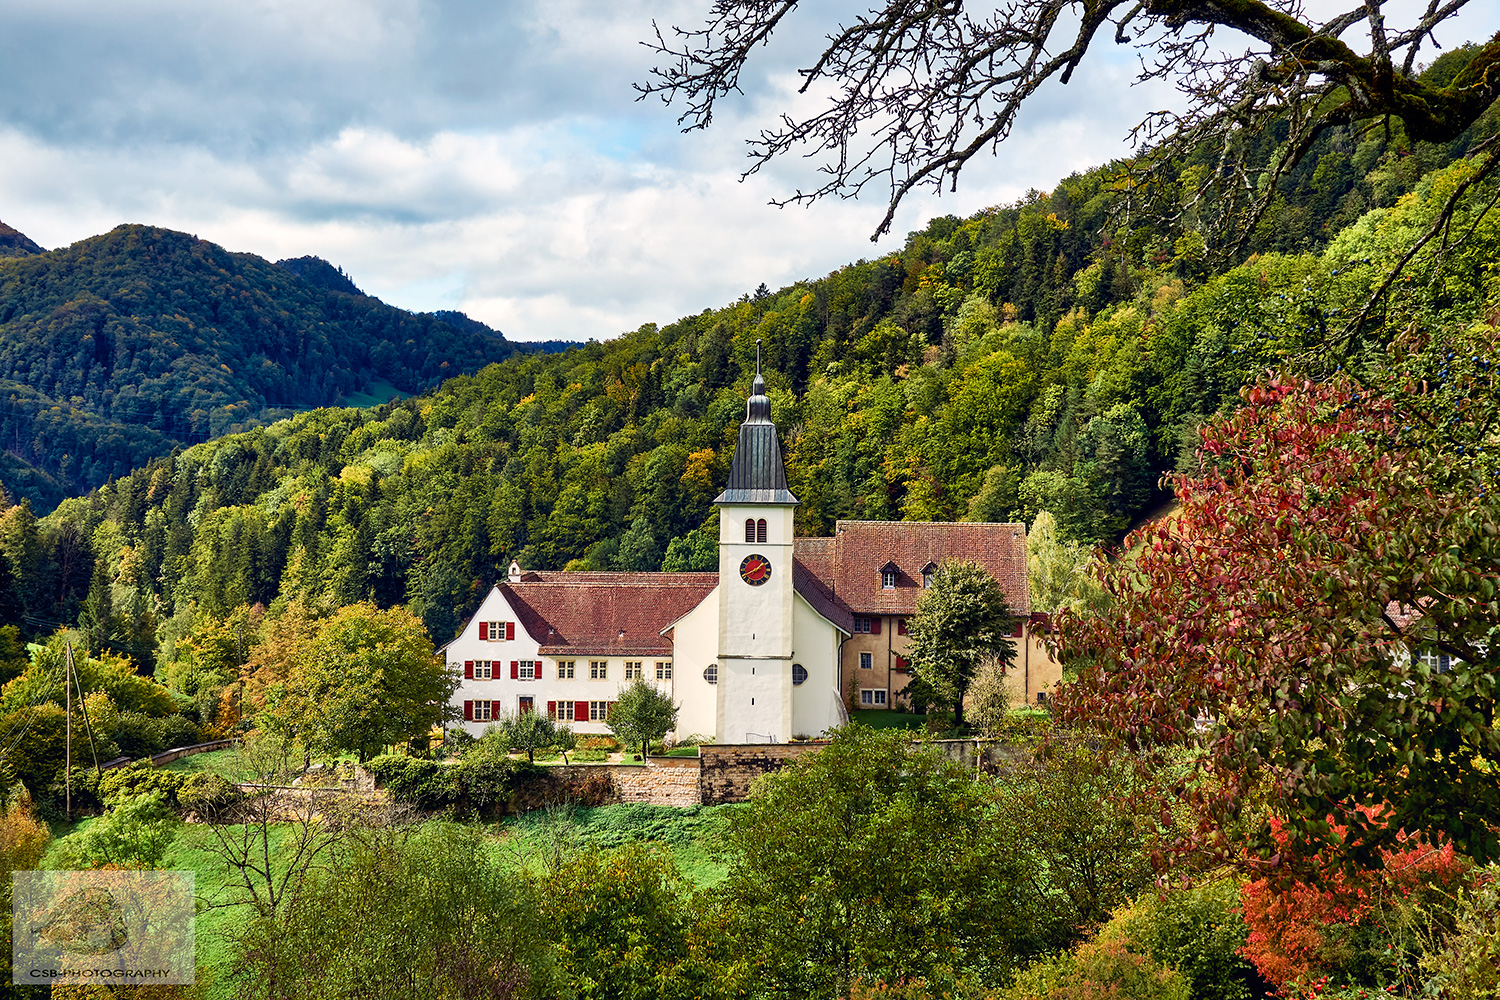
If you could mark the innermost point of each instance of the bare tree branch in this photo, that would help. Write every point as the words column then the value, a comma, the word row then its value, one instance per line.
column 917, row 88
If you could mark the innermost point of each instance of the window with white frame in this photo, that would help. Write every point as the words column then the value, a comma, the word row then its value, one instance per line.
column 598, row 670
column 888, row 579
column 562, row 711
column 483, row 670
column 565, row 670
column 663, row 670
column 862, row 624
column 1435, row 660
column 872, row 697
column 598, row 711
column 633, row 670
column 482, row 711
column 866, row 661
column 711, row 673
column 529, row 670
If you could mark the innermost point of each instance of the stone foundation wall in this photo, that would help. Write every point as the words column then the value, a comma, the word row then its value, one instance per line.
column 660, row 784
column 727, row 769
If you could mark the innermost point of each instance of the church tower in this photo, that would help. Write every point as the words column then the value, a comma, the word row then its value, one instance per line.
column 755, row 583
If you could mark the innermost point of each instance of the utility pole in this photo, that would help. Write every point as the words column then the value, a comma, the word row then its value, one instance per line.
column 68, row 740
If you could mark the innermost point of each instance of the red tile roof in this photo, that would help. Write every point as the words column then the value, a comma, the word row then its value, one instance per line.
column 605, row 614
column 849, row 564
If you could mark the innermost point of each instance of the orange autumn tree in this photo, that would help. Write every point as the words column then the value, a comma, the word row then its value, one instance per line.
column 1336, row 529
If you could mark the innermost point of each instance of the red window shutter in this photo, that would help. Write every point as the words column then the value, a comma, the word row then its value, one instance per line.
column 495, row 710
column 515, row 670
column 900, row 663
column 468, row 670
column 609, row 706
column 580, row 711
column 510, row 631
column 468, row 711
column 900, row 626
column 874, row 624
column 1016, row 633
column 551, row 709
column 484, row 631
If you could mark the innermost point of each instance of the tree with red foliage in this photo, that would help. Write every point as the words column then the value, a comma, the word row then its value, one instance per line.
column 1335, row 529
column 1299, row 932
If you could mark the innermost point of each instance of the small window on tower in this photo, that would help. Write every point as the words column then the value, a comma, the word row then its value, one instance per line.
column 799, row 673
column 749, row 529
column 760, row 530
column 711, row 673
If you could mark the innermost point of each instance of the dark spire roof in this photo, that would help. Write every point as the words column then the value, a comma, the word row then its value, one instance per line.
column 757, row 474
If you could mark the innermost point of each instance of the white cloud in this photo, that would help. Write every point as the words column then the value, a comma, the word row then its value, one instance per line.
column 463, row 154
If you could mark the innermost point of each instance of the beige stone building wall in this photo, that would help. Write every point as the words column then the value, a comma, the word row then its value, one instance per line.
column 1035, row 671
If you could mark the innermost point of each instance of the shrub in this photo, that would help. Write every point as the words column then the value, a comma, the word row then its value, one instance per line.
column 1465, row 963
column 606, row 743
column 1102, row 969
column 1196, row 931
column 140, row 778
column 138, row 734
column 135, row 833
column 206, row 793
column 179, row 731
column 425, row 784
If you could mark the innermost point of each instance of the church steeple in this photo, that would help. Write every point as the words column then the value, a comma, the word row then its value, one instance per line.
column 757, row 474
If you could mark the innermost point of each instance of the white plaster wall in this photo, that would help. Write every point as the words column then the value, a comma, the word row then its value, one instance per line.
column 695, row 645
column 502, row 689
column 815, row 646
column 757, row 700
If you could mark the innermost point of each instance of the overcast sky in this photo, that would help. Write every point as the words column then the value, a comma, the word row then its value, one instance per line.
column 464, row 154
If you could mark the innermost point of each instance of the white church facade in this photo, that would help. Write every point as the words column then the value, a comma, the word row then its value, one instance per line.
column 778, row 644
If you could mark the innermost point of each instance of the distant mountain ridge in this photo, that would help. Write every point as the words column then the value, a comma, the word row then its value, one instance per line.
column 121, row 347
column 14, row 243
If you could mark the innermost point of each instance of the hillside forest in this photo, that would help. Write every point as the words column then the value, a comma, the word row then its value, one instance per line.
column 121, row 348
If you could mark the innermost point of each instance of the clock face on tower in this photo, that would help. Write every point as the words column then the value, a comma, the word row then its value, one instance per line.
column 755, row 570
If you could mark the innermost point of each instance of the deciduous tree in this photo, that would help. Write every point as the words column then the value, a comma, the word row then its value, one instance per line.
column 962, row 622
column 642, row 716
column 1337, row 532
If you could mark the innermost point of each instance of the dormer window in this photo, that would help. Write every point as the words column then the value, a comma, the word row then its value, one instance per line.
column 927, row 573
column 887, row 579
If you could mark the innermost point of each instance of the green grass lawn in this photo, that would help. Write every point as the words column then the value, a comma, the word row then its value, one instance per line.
column 217, row 761
column 877, row 718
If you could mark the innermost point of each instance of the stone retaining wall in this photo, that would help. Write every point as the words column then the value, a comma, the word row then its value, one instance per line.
column 727, row 769
column 674, row 784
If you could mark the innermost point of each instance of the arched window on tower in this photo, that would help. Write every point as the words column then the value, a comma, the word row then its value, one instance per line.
column 749, row 529
column 760, row 530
